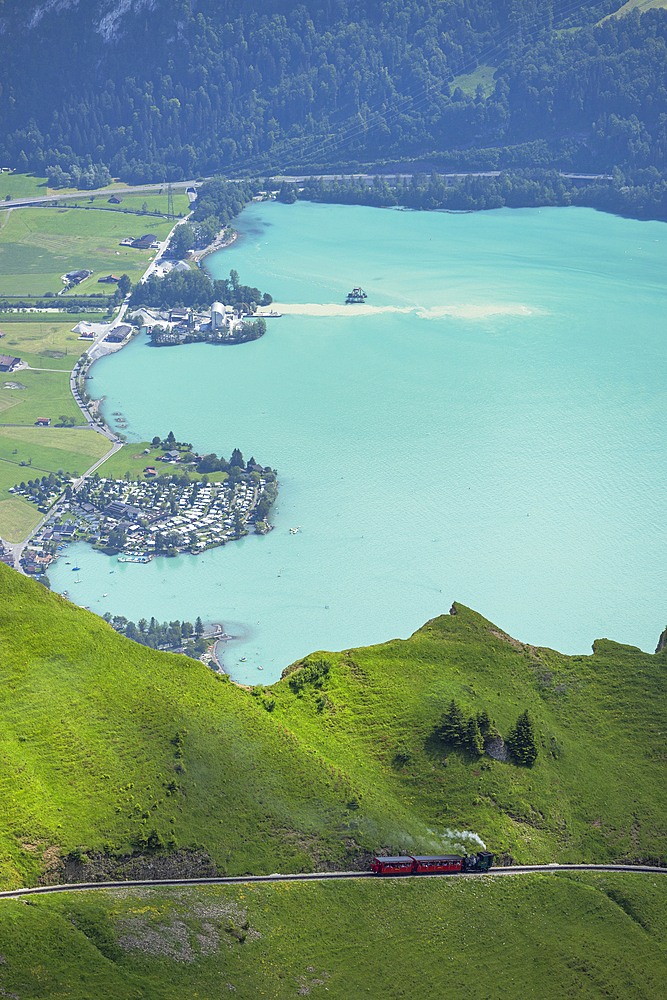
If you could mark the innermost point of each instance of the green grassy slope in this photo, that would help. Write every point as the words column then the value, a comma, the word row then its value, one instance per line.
column 283, row 779
column 548, row 936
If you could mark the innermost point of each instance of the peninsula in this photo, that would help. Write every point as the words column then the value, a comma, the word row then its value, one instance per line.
column 155, row 514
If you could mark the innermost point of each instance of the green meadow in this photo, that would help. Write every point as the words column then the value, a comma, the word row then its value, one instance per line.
column 155, row 201
column 17, row 516
column 39, row 245
column 549, row 936
column 45, row 342
column 22, row 186
column 119, row 761
column 468, row 82
column 130, row 462
column 45, row 394
column 44, row 450
column 51, row 350
column 105, row 741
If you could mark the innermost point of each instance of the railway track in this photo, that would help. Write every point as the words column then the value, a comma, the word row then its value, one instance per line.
column 318, row 877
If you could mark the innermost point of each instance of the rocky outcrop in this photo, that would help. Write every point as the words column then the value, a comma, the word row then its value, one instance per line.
column 496, row 748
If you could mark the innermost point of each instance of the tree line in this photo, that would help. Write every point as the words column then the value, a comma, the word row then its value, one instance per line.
column 475, row 731
column 196, row 290
column 640, row 193
column 162, row 635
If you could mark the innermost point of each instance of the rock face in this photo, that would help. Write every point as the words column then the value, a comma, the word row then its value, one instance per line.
column 496, row 748
column 102, row 868
column 662, row 641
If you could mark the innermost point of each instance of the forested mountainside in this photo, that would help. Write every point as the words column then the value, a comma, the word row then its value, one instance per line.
column 150, row 89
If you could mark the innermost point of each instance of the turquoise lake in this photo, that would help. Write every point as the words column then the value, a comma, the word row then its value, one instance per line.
column 489, row 429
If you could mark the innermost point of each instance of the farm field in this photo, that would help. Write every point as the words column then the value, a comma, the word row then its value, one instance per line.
column 130, row 459
column 550, row 936
column 39, row 245
column 22, row 186
column 43, row 344
column 47, row 449
column 154, row 201
column 17, row 516
column 44, row 394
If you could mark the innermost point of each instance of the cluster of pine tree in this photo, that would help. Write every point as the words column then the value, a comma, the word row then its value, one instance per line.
column 471, row 732
column 466, row 731
column 521, row 741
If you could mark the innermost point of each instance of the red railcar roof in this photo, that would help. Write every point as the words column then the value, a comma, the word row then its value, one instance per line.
column 394, row 861
column 437, row 857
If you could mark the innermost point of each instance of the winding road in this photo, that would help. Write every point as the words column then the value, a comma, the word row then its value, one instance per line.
column 320, row 877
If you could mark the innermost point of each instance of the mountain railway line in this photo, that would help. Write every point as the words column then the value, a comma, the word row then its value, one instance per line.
column 317, row 877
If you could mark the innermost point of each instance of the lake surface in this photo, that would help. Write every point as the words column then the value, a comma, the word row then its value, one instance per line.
column 489, row 429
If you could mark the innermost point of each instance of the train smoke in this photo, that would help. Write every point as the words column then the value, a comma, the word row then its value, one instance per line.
column 465, row 840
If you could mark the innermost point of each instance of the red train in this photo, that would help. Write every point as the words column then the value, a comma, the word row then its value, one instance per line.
column 432, row 864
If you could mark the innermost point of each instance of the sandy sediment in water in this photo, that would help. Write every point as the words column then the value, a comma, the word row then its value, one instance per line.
column 478, row 310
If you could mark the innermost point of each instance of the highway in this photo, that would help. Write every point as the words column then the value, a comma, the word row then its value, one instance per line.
column 276, row 179
column 321, row 877
column 97, row 192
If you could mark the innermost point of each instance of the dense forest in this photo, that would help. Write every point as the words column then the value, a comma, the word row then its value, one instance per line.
column 149, row 90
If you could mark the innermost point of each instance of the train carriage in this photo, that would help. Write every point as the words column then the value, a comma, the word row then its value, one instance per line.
column 425, row 863
column 432, row 864
column 392, row 866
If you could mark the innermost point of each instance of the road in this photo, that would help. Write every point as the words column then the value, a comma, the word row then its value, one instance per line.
column 80, row 195
column 98, row 348
column 319, row 877
column 292, row 179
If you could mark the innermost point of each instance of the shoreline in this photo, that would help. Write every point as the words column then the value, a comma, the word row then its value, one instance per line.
column 217, row 244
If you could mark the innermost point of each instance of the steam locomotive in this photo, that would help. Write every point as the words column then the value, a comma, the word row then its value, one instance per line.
column 433, row 864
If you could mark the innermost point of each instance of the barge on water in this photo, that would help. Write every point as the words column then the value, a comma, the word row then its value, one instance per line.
column 356, row 297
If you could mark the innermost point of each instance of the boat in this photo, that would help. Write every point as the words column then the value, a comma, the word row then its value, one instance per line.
column 76, row 569
column 356, row 297
column 243, row 659
column 134, row 557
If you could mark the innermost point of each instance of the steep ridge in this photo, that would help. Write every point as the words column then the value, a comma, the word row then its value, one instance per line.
column 119, row 761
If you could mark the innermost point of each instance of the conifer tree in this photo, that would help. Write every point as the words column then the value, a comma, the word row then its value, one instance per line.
column 453, row 727
column 474, row 741
column 521, row 741
column 485, row 724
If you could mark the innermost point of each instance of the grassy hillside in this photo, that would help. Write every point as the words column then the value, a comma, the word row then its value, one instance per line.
column 103, row 741
column 548, row 936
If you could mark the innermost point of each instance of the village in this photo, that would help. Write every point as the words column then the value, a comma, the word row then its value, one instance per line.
column 139, row 520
